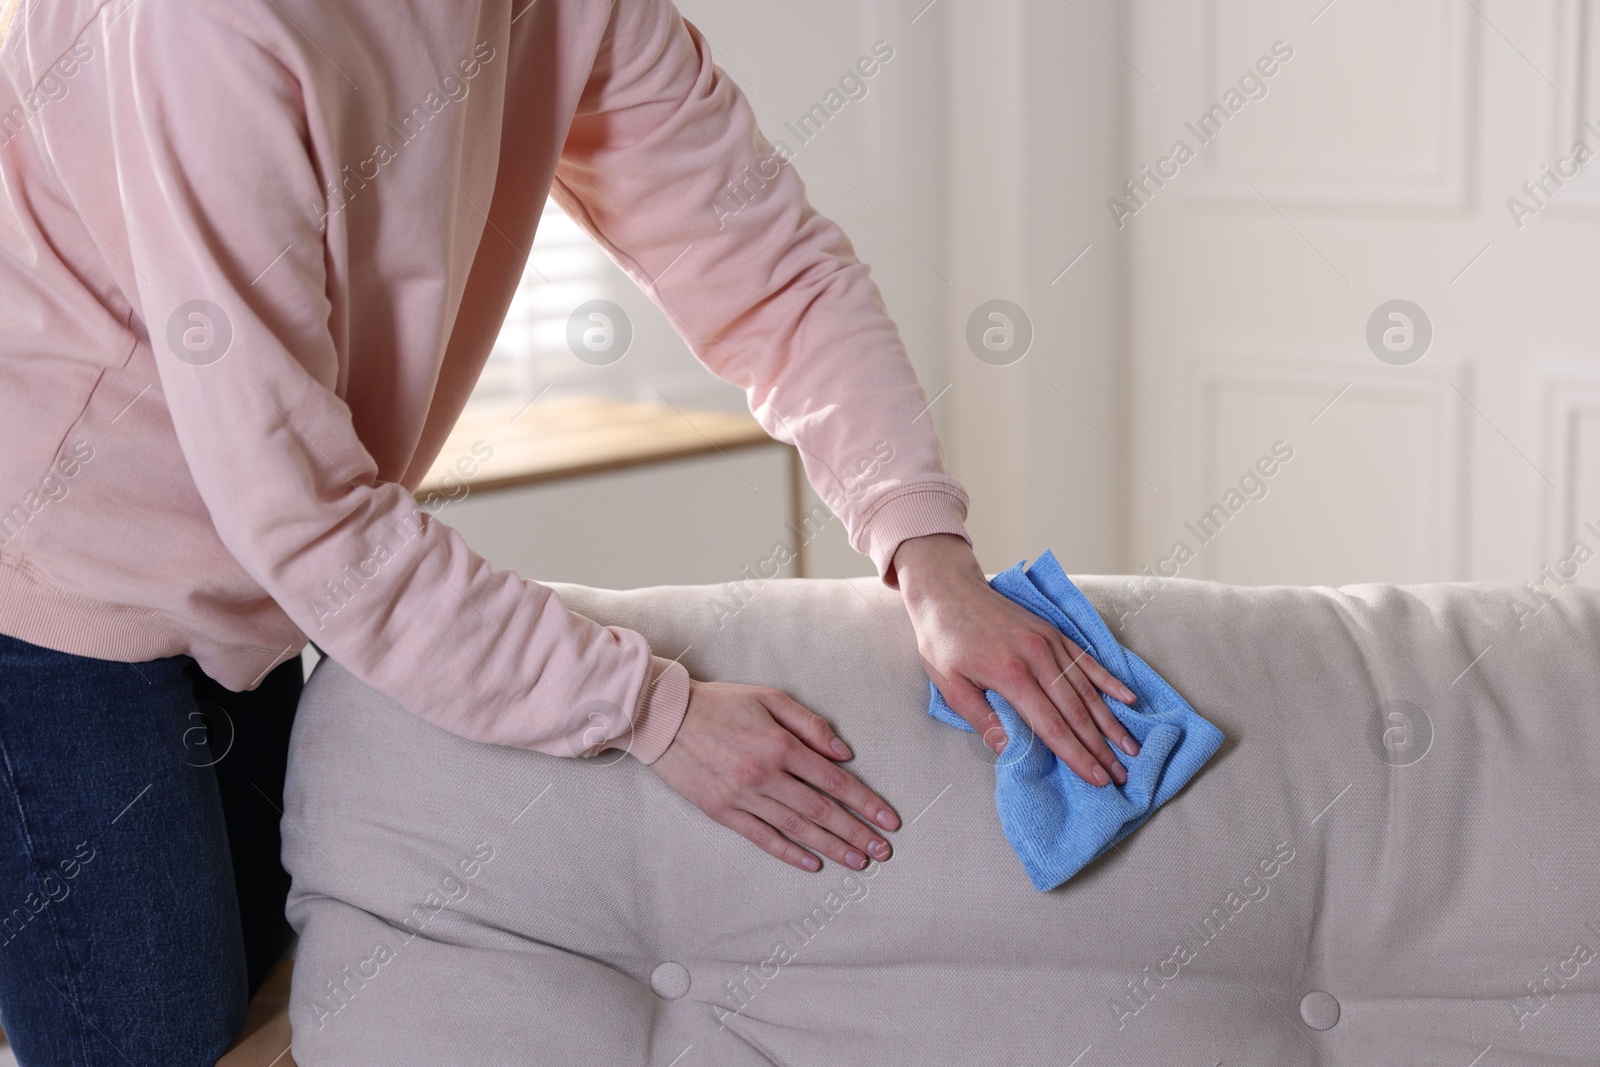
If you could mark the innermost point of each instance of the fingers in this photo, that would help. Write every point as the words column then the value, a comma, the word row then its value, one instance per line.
column 1061, row 726
column 1059, row 719
column 1056, row 712
column 810, row 831
column 769, row 840
column 748, row 757
column 794, row 814
column 1075, row 670
column 805, row 724
column 819, row 737
column 1102, row 679
column 967, row 701
column 839, row 783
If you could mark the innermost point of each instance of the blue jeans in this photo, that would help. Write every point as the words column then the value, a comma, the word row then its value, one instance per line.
column 141, row 892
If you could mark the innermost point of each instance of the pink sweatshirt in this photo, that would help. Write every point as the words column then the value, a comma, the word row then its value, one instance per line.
column 253, row 256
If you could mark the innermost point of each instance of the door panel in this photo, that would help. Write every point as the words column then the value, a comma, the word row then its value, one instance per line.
column 1382, row 161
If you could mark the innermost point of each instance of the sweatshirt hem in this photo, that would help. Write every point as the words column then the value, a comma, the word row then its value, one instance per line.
column 36, row 610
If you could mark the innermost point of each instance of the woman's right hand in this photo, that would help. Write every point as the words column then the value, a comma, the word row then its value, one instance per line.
column 760, row 764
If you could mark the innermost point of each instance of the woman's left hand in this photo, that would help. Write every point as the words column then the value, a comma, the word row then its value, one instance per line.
column 972, row 638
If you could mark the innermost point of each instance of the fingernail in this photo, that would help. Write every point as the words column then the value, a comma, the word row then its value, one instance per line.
column 855, row 859
column 879, row 850
column 1100, row 776
column 1000, row 745
column 885, row 819
column 1121, row 775
column 841, row 749
column 1130, row 746
column 1128, row 695
column 810, row 863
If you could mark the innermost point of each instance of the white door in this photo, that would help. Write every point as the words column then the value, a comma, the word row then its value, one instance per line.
column 1292, row 422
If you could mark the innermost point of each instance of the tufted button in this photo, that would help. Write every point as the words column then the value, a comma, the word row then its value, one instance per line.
column 1319, row 1010
column 670, row 980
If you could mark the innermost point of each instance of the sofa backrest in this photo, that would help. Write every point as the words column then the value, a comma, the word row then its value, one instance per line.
column 1392, row 859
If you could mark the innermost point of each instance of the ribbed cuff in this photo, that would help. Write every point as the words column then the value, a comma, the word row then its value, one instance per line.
column 662, row 704
column 912, row 514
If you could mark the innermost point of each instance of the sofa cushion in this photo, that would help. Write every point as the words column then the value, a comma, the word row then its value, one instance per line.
column 1390, row 860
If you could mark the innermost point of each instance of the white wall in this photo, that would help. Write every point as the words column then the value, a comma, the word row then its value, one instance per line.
column 1035, row 114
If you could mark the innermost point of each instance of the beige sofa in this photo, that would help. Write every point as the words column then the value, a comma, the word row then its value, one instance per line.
column 1391, row 860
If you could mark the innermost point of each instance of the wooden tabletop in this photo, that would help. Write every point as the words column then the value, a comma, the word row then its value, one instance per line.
column 494, row 447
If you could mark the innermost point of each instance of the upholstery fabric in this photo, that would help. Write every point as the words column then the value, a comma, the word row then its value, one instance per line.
column 1390, row 860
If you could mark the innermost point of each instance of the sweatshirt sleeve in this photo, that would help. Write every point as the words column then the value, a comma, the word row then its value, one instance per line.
column 232, row 288
column 665, row 166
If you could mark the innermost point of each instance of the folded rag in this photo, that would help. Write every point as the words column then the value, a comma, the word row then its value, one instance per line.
column 1056, row 822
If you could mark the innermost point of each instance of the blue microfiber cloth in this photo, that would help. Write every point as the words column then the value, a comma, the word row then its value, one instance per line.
column 1058, row 823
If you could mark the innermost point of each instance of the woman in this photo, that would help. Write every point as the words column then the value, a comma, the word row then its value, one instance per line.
column 253, row 256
